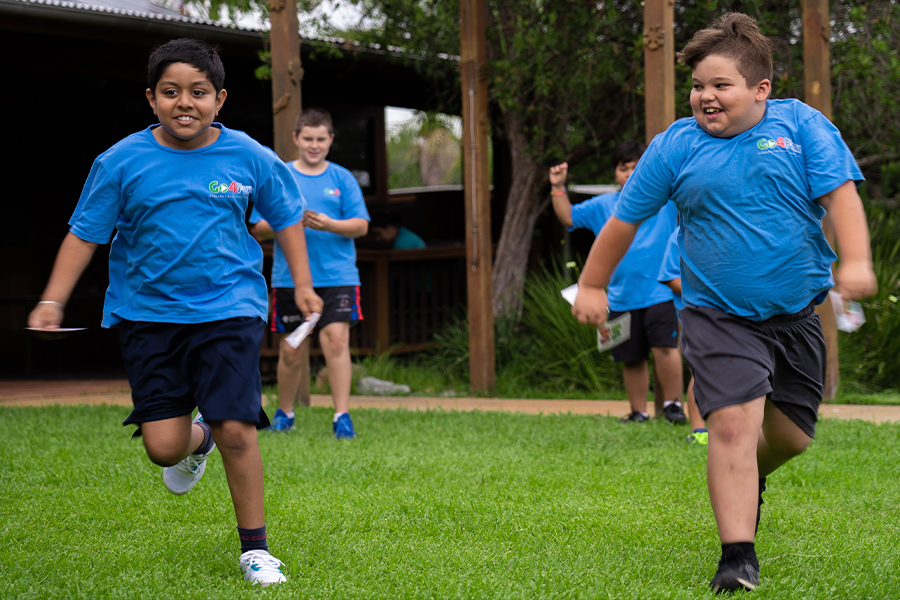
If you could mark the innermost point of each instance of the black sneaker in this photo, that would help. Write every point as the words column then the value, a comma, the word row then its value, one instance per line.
column 762, row 488
column 636, row 416
column 674, row 414
column 736, row 573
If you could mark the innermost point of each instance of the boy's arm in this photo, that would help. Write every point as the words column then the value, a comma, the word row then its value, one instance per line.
column 293, row 244
column 610, row 246
column 261, row 230
column 854, row 277
column 558, row 194
column 72, row 259
column 351, row 228
column 674, row 285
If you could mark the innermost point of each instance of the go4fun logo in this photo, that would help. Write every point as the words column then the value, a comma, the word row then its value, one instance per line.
column 234, row 187
column 782, row 142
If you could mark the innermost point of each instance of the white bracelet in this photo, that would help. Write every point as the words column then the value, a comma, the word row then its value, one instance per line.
column 59, row 304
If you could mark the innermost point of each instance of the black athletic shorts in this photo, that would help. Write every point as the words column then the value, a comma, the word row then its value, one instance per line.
column 735, row 360
column 652, row 327
column 341, row 304
column 173, row 367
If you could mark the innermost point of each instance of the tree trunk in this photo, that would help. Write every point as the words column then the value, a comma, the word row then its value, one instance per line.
column 522, row 210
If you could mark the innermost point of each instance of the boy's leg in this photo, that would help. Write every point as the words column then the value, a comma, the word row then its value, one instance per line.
column 239, row 447
column 335, row 341
column 697, row 421
column 170, row 440
column 290, row 363
column 637, row 384
column 780, row 440
column 732, row 470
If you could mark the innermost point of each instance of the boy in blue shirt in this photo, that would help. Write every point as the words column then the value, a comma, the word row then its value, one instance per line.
column 634, row 288
column 752, row 179
column 670, row 276
column 185, row 287
column 336, row 215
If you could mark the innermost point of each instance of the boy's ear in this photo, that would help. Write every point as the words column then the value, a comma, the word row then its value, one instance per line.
column 220, row 100
column 151, row 98
column 763, row 89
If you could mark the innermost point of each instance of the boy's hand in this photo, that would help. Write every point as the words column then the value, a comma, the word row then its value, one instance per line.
column 307, row 300
column 855, row 280
column 558, row 175
column 317, row 221
column 46, row 315
column 591, row 306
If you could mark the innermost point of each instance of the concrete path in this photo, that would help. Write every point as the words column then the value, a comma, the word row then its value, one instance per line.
column 117, row 391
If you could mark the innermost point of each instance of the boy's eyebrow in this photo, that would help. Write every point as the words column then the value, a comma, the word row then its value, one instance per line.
column 192, row 84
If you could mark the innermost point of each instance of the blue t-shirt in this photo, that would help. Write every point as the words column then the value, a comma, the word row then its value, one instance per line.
column 182, row 253
column 407, row 240
column 670, row 268
column 633, row 284
column 751, row 237
column 332, row 257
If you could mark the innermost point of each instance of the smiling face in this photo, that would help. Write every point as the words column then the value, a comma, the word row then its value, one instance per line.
column 723, row 103
column 313, row 144
column 186, row 102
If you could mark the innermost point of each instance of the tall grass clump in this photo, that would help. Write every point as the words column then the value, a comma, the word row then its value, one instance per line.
column 870, row 356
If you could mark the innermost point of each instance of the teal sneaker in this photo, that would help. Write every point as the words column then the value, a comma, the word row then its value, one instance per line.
column 698, row 437
column 281, row 422
column 343, row 428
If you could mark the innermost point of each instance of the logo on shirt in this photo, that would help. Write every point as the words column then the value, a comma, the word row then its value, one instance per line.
column 234, row 187
column 783, row 143
column 332, row 192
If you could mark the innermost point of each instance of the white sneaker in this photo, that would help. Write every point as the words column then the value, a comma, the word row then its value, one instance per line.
column 261, row 567
column 181, row 478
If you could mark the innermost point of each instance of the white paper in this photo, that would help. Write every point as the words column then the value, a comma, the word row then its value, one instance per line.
column 849, row 315
column 612, row 333
column 57, row 330
column 297, row 336
column 570, row 293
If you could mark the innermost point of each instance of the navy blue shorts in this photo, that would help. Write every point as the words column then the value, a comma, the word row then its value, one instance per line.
column 735, row 360
column 341, row 304
column 173, row 367
column 653, row 327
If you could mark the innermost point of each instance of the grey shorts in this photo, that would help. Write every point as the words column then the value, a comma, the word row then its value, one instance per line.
column 735, row 360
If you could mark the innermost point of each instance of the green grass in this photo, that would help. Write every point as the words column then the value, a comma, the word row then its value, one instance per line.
column 438, row 505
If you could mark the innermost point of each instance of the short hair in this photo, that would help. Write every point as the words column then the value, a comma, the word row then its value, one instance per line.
column 627, row 152
column 200, row 55
column 736, row 37
column 314, row 117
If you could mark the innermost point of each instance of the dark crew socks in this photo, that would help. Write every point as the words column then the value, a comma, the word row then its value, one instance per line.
column 739, row 550
column 253, row 539
column 207, row 444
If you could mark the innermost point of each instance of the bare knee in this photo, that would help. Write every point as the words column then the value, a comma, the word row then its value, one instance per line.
column 234, row 437
column 164, row 454
column 789, row 445
column 289, row 356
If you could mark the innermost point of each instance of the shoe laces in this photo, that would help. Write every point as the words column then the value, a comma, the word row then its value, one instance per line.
column 263, row 563
column 190, row 464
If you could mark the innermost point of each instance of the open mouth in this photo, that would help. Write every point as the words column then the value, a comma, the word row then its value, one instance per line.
column 712, row 112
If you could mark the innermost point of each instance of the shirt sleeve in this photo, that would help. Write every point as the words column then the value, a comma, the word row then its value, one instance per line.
column 650, row 185
column 99, row 207
column 593, row 213
column 829, row 162
column 279, row 200
column 353, row 205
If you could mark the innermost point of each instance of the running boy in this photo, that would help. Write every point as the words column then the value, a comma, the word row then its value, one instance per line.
column 670, row 276
column 752, row 179
column 634, row 288
column 337, row 214
column 184, row 281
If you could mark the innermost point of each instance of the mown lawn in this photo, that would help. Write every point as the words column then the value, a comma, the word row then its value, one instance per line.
column 438, row 505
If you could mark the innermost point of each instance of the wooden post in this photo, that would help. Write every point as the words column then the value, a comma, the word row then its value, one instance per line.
column 473, row 64
column 659, row 91
column 287, row 73
column 817, row 88
column 659, row 66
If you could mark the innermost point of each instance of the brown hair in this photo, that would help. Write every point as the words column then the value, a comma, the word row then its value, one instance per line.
column 736, row 37
column 314, row 117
